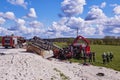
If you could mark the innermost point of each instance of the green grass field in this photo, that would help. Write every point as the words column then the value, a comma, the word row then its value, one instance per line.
column 99, row 50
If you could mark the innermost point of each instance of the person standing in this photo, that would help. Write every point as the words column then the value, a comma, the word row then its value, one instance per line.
column 111, row 56
column 107, row 58
column 90, row 57
column 93, row 55
column 104, row 57
column 85, row 58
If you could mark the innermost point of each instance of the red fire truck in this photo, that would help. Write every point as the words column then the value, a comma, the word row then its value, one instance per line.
column 11, row 41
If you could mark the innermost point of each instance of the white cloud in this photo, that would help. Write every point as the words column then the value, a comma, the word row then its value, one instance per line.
column 59, row 29
column 21, row 21
column 116, row 10
column 99, row 29
column 2, row 20
column 26, row 28
column 18, row 2
column 67, row 27
column 72, row 7
column 116, row 30
column 75, row 23
column 89, row 31
column 113, row 21
column 5, row 31
column 1, row 14
column 36, row 24
column 103, row 5
column 32, row 13
column 9, row 15
column 95, row 13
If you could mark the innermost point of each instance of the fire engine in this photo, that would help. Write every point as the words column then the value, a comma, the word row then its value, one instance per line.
column 12, row 41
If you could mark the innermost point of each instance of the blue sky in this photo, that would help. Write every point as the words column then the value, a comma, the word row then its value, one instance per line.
column 60, row 18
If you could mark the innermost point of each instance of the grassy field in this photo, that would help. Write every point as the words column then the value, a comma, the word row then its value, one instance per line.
column 99, row 50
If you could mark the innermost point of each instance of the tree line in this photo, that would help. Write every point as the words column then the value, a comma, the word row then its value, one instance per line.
column 107, row 40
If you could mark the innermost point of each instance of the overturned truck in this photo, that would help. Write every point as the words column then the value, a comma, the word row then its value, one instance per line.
column 41, row 47
column 78, row 49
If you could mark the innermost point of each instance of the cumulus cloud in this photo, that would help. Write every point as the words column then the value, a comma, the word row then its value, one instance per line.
column 72, row 7
column 67, row 27
column 27, row 28
column 103, row 5
column 59, row 29
column 21, row 21
column 59, row 26
column 88, row 31
column 2, row 20
column 116, row 30
column 113, row 21
column 18, row 2
column 19, row 24
column 116, row 10
column 5, row 31
column 36, row 24
column 1, row 14
column 7, row 15
column 98, row 27
column 95, row 13
column 32, row 13
column 75, row 23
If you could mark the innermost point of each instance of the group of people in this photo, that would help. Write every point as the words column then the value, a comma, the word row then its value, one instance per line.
column 91, row 57
column 107, row 57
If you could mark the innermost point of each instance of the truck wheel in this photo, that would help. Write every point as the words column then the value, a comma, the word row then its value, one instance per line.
column 13, row 47
column 6, row 46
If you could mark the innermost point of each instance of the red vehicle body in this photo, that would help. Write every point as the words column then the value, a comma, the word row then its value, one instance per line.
column 10, row 41
column 83, row 46
column 75, row 49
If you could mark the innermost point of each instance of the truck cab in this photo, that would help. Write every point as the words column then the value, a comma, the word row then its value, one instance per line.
column 9, row 41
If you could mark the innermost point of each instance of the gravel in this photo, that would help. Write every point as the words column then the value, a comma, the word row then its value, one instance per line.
column 17, row 64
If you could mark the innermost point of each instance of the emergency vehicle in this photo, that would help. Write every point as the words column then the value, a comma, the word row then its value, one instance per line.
column 11, row 41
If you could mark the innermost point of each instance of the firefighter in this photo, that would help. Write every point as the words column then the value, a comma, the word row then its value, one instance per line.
column 107, row 57
column 71, row 50
column 75, row 52
column 104, row 57
column 78, row 53
column 84, row 57
column 93, row 56
column 111, row 56
column 90, row 56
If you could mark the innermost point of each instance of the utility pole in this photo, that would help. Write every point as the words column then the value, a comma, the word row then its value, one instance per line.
column 77, row 31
